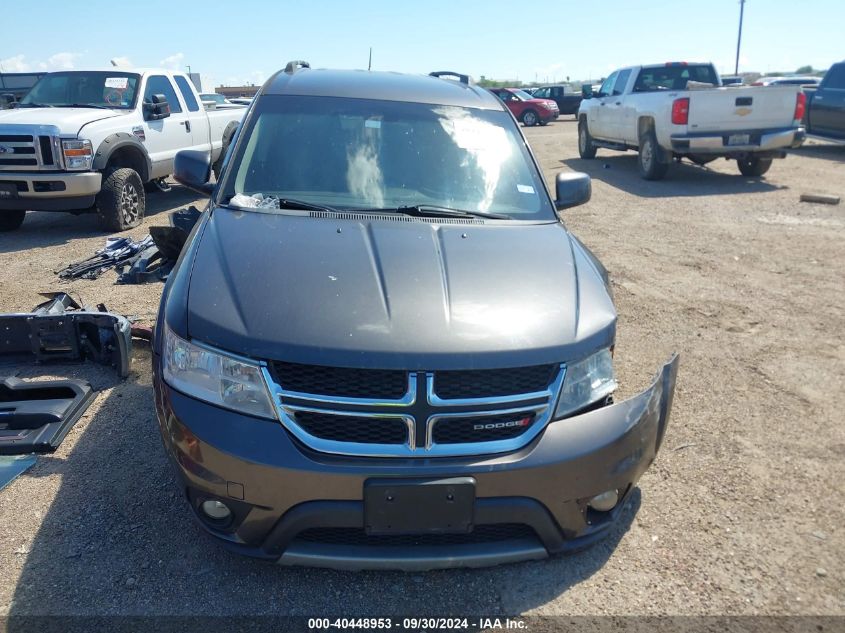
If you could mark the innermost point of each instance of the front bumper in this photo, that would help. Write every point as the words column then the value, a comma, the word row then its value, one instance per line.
column 50, row 191
column 282, row 492
column 759, row 141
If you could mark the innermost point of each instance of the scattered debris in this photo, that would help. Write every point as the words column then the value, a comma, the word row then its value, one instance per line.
column 37, row 415
column 821, row 572
column 821, row 198
column 683, row 446
column 13, row 467
column 61, row 329
column 116, row 251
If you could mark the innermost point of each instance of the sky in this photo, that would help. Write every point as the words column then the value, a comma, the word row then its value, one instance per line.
column 236, row 43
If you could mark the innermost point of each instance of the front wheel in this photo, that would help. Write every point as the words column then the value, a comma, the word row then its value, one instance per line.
column 11, row 220
column 652, row 164
column 121, row 202
column 753, row 167
column 530, row 118
column 586, row 147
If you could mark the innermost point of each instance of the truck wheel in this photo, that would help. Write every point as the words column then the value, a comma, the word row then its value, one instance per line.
column 121, row 202
column 586, row 147
column 217, row 167
column 11, row 220
column 650, row 158
column 529, row 118
column 753, row 167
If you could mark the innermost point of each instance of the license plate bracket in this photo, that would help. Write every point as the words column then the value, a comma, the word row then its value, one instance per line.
column 419, row 506
column 739, row 139
column 8, row 191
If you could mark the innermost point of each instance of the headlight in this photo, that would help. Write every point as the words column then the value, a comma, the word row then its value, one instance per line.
column 586, row 382
column 79, row 155
column 215, row 377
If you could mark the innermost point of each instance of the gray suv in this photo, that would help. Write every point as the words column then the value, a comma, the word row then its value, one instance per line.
column 381, row 348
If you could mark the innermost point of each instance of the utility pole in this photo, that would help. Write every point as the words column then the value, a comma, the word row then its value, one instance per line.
column 739, row 37
column 370, row 63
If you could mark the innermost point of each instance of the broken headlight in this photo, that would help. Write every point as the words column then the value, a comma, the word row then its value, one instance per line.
column 215, row 377
column 586, row 382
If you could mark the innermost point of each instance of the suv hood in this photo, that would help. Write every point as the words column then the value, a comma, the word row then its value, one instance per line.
column 69, row 121
column 395, row 293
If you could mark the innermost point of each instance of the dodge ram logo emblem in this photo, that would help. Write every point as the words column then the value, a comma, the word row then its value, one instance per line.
column 5, row 149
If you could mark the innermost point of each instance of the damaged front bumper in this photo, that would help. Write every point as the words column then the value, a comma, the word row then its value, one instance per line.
column 295, row 506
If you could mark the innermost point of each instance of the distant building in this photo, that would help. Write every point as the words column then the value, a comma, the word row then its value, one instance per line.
column 237, row 91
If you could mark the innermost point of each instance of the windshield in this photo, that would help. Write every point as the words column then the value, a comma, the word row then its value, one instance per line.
column 522, row 94
column 85, row 88
column 366, row 154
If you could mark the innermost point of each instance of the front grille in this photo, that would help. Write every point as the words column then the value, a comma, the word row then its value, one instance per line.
column 492, row 533
column 348, row 428
column 481, row 428
column 18, row 151
column 487, row 383
column 25, row 152
column 46, row 150
column 341, row 381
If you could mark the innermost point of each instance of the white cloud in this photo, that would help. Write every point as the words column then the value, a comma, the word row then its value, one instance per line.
column 61, row 61
column 174, row 62
column 15, row 64
column 123, row 62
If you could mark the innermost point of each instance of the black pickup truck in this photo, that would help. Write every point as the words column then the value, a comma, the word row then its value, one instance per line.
column 826, row 105
column 567, row 101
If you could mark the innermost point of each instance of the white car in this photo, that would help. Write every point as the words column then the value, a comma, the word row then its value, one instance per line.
column 789, row 80
column 92, row 139
column 679, row 110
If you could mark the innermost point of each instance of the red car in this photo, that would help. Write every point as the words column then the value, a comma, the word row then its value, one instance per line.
column 526, row 108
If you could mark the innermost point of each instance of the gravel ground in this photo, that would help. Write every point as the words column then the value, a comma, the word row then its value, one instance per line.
column 742, row 513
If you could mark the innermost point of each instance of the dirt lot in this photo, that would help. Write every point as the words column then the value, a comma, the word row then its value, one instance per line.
column 743, row 512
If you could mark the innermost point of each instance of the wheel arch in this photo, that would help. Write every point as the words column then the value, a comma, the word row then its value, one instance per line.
column 644, row 124
column 123, row 150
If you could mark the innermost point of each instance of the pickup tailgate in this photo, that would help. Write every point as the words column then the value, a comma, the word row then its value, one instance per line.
column 751, row 108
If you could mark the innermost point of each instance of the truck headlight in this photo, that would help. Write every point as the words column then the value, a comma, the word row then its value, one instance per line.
column 79, row 155
column 215, row 377
column 586, row 382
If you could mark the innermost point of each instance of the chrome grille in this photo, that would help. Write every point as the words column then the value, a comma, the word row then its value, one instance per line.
column 29, row 148
column 364, row 412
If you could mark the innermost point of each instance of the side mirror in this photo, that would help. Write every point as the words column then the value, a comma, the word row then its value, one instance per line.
column 192, row 168
column 7, row 98
column 587, row 91
column 156, row 108
column 572, row 189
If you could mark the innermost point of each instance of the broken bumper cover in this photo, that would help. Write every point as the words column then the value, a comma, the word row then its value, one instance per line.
column 292, row 505
column 759, row 141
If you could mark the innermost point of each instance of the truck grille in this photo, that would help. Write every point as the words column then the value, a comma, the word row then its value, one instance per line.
column 33, row 151
column 396, row 413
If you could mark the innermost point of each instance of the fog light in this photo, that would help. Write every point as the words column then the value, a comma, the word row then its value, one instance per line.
column 216, row 510
column 604, row 502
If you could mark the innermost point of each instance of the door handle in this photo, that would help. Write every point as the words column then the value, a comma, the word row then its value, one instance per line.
column 187, row 125
column 618, row 103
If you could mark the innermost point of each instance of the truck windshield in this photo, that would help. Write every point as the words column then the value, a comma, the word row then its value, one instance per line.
column 356, row 154
column 674, row 77
column 104, row 89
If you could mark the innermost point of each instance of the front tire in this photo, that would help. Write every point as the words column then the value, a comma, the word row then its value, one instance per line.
column 650, row 158
column 530, row 118
column 753, row 167
column 586, row 147
column 11, row 220
column 121, row 202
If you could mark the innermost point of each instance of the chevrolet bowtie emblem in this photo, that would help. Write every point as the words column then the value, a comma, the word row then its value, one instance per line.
column 742, row 111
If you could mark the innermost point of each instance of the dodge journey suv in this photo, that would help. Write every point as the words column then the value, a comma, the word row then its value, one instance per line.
column 381, row 347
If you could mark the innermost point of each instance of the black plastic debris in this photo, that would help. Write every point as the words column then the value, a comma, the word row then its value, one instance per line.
column 116, row 251
column 36, row 416
column 61, row 330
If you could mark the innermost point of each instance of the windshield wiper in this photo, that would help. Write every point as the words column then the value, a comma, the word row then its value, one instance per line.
column 291, row 203
column 430, row 210
column 84, row 105
column 35, row 105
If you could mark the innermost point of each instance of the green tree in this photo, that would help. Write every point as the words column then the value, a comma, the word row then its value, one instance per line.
column 804, row 70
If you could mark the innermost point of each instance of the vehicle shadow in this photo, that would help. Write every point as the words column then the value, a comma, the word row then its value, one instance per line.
column 683, row 180
column 119, row 540
column 44, row 229
column 827, row 151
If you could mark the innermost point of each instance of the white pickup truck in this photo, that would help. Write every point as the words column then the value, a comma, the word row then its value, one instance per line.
column 679, row 110
column 95, row 140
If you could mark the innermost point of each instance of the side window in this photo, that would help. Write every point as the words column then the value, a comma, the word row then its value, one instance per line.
column 187, row 93
column 836, row 78
column 542, row 93
column 621, row 82
column 160, row 85
column 607, row 86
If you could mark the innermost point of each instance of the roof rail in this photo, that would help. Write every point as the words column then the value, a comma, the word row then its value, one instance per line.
column 297, row 63
column 464, row 79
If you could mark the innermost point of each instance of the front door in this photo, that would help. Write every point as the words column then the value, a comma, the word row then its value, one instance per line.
column 165, row 137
